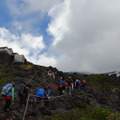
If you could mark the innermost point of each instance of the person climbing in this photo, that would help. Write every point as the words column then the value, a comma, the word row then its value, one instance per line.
column 8, row 94
column 83, row 84
column 53, row 75
column 66, row 87
column 72, row 86
column 23, row 92
column 49, row 72
column 39, row 98
column 61, row 86
column 26, row 92
column 70, row 81
column 74, row 79
column 62, row 81
column 60, row 89
column 47, row 91
column 77, row 84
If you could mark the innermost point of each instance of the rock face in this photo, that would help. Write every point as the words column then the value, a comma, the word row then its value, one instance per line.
column 103, row 98
column 37, row 77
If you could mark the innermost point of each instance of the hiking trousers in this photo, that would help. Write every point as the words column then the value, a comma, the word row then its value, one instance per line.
column 22, row 100
column 7, row 105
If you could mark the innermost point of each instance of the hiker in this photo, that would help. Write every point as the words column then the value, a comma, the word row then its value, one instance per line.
column 70, row 84
column 66, row 87
column 60, row 89
column 8, row 94
column 23, row 92
column 39, row 98
column 83, row 84
column 61, row 86
column 69, row 81
column 49, row 72
column 53, row 75
column 62, row 81
column 77, row 84
column 74, row 79
column 47, row 91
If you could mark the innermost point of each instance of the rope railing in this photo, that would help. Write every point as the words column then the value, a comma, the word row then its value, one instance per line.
column 28, row 99
column 31, row 78
column 50, row 97
column 28, row 81
column 26, row 107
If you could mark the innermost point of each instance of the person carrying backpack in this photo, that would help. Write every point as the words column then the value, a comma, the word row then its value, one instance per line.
column 70, row 81
column 47, row 91
column 23, row 92
column 39, row 97
column 77, row 84
column 60, row 89
column 62, row 81
column 8, row 94
column 83, row 84
column 61, row 86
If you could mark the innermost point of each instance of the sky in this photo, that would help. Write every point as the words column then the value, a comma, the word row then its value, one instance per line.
column 71, row 35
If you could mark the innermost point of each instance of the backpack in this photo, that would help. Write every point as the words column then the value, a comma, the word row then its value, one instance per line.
column 21, row 89
column 83, row 82
column 78, row 82
column 62, row 82
column 40, row 93
column 5, row 90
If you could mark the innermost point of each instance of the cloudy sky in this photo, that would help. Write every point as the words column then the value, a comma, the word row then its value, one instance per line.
column 72, row 35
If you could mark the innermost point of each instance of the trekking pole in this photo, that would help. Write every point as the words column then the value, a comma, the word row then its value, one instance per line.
column 26, row 107
column 31, row 78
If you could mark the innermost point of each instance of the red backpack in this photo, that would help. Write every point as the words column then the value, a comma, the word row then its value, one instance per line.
column 83, row 82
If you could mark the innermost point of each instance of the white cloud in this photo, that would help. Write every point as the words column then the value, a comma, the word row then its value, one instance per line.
column 92, row 42
column 26, row 44
column 33, row 42
column 44, row 60
column 23, row 36
column 60, row 19
column 85, row 33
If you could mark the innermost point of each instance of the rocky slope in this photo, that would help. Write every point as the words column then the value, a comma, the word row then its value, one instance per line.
column 38, row 78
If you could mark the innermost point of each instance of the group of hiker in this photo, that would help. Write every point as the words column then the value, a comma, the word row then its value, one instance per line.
column 70, row 85
column 8, row 93
column 42, row 95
